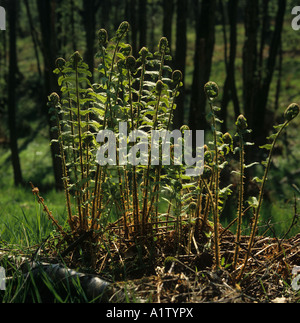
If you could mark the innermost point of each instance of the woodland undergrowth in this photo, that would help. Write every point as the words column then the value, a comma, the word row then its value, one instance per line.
column 144, row 208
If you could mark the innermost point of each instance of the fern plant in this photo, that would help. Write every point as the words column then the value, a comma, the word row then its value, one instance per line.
column 125, row 198
column 242, row 130
column 139, row 92
column 222, row 145
column 291, row 113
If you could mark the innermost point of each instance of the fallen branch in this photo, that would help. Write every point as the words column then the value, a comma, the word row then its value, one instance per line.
column 63, row 280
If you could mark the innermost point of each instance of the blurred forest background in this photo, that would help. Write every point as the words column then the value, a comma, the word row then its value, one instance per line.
column 247, row 46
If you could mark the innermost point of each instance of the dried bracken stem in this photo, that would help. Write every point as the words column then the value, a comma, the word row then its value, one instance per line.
column 36, row 192
column 212, row 91
column 241, row 126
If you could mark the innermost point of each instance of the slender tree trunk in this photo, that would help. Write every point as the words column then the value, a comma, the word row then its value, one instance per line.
column 34, row 37
column 230, row 91
column 143, row 22
column 260, row 128
column 278, row 85
column 130, row 16
column 256, row 85
column 89, row 11
column 168, row 8
column 105, row 13
column 205, row 40
column 264, row 33
column 180, row 58
column 47, row 24
column 12, row 19
column 72, row 21
column 3, row 67
column 250, row 83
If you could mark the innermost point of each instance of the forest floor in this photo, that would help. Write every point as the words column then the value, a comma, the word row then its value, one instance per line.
column 191, row 278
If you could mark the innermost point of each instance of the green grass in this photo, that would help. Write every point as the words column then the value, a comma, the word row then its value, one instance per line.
column 22, row 220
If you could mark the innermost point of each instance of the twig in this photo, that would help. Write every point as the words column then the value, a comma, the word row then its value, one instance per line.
column 35, row 192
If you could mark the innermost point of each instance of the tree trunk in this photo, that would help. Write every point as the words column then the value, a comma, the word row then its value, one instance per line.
column 89, row 10
column 250, row 83
column 205, row 40
column 180, row 58
column 130, row 16
column 143, row 22
column 230, row 91
column 260, row 127
column 12, row 19
column 256, row 85
column 47, row 23
column 34, row 37
column 72, row 22
column 105, row 14
column 168, row 9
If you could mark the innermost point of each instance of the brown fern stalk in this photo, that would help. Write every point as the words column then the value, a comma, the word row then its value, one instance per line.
column 77, row 58
column 35, row 191
column 54, row 102
column 212, row 91
column 291, row 113
column 60, row 63
column 177, row 78
column 130, row 65
column 241, row 126
column 145, row 213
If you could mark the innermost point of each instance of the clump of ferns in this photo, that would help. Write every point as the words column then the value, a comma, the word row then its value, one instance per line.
column 140, row 92
column 203, row 196
column 215, row 159
column 83, row 110
column 152, row 109
column 290, row 114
